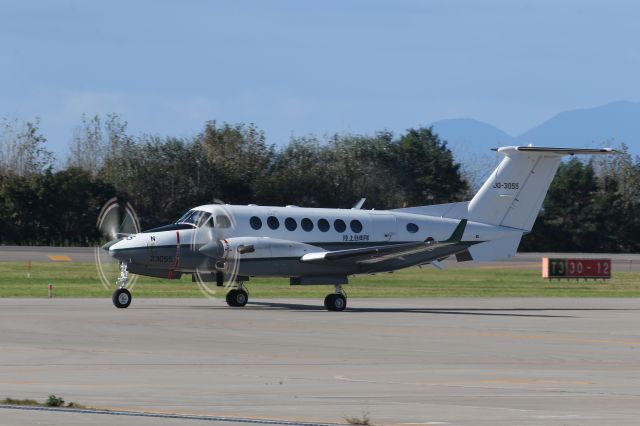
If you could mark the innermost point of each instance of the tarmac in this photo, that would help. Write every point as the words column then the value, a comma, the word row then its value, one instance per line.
column 438, row 361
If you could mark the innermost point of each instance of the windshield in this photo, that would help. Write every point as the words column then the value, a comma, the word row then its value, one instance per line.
column 194, row 217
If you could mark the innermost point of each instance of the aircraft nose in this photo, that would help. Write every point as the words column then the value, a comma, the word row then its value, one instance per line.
column 115, row 249
column 110, row 244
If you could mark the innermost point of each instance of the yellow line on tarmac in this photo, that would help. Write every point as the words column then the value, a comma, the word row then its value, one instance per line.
column 59, row 258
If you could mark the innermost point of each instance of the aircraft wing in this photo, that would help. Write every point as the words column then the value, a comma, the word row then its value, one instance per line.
column 376, row 254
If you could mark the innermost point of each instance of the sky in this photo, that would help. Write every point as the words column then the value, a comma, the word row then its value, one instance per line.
column 322, row 67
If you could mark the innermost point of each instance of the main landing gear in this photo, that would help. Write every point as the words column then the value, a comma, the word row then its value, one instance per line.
column 238, row 297
column 336, row 301
column 122, row 297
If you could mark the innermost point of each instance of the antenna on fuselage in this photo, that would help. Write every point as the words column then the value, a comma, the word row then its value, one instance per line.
column 359, row 204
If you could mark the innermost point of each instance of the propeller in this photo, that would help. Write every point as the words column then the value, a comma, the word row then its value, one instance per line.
column 223, row 262
column 116, row 220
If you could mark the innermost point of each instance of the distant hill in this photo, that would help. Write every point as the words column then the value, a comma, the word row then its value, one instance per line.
column 609, row 125
column 467, row 134
column 616, row 122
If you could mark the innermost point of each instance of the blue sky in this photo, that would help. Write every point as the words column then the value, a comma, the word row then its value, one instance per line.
column 299, row 67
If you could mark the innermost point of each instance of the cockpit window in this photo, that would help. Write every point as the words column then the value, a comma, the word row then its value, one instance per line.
column 223, row 221
column 195, row 217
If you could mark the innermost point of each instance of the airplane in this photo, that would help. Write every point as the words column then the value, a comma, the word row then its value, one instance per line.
column 323, row 246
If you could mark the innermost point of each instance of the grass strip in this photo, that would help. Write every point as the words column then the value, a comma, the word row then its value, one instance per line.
column 71, row 279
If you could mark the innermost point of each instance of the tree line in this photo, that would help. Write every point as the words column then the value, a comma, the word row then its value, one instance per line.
column 591, row 206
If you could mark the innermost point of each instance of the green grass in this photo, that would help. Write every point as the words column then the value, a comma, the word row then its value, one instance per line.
column 15, row 401
column 71, row 279
column 52, row 401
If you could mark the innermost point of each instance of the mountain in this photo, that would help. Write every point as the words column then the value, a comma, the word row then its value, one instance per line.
column 614, row 123
column 468, row 134
column 606, row 125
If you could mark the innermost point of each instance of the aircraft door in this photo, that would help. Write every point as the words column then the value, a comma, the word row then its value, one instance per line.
column 384, row 227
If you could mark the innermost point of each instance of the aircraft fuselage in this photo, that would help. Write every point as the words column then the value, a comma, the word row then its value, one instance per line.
column 280, row 236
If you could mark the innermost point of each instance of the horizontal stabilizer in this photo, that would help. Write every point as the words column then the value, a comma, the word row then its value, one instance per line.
column 561, row 151
column 503, row 248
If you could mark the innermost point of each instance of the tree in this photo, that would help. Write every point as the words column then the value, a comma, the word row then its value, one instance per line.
column 567, row 221
column 296, row 176
column 240, row 158
column 620, row 175
column 428, row 173
column 88, row 148
column 51, row 208
column 22, row 149
column 362, row 166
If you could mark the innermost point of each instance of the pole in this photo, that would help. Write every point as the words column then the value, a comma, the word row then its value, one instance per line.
column 50, row 287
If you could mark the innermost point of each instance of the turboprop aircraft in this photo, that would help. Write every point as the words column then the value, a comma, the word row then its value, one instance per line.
column 231, row 243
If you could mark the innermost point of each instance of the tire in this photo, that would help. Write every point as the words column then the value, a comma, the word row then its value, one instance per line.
column 231, row 298
column 241, row 298
column 335, row 302
column 339, row 303
column 328, row 301
column 237, row 298
column 121, row 298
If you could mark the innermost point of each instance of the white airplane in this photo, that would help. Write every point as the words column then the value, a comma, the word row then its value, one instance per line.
column 230, row 243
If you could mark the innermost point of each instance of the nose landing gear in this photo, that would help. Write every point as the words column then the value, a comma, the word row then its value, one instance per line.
column 122, row 297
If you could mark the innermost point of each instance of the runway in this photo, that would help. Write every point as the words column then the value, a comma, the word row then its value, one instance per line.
column 439, row 361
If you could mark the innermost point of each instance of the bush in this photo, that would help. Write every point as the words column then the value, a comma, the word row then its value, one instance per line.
column 54, row 401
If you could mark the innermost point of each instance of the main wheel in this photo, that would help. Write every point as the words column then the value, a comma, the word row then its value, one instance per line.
column 335, row 302
column 121, row 298
column 328, row 301
column 237, row 298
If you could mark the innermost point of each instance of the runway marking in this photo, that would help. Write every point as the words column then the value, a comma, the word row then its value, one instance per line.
column 168, row 416
column 59, row 258
column 573, row 339
column 469, row 383
column 536, row 382
column 347, row 379
column 558, row 416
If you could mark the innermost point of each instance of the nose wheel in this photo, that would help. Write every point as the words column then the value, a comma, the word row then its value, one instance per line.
column 121, row 298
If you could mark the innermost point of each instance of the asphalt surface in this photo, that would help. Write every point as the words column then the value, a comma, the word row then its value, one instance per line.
column 620, row 262
column 499, row 361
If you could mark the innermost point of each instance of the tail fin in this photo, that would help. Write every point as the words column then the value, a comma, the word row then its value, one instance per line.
column 513, row 194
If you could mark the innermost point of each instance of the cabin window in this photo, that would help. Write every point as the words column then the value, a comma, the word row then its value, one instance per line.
column 290, row 223
column 323, row 225
column 356, row 226
column 223, row 221
column 412, row 228
column 273, row 222
column 306, row 224
column 339, row 225
column 255, row 222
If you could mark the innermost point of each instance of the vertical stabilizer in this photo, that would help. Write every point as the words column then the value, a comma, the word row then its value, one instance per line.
column 513, row 194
